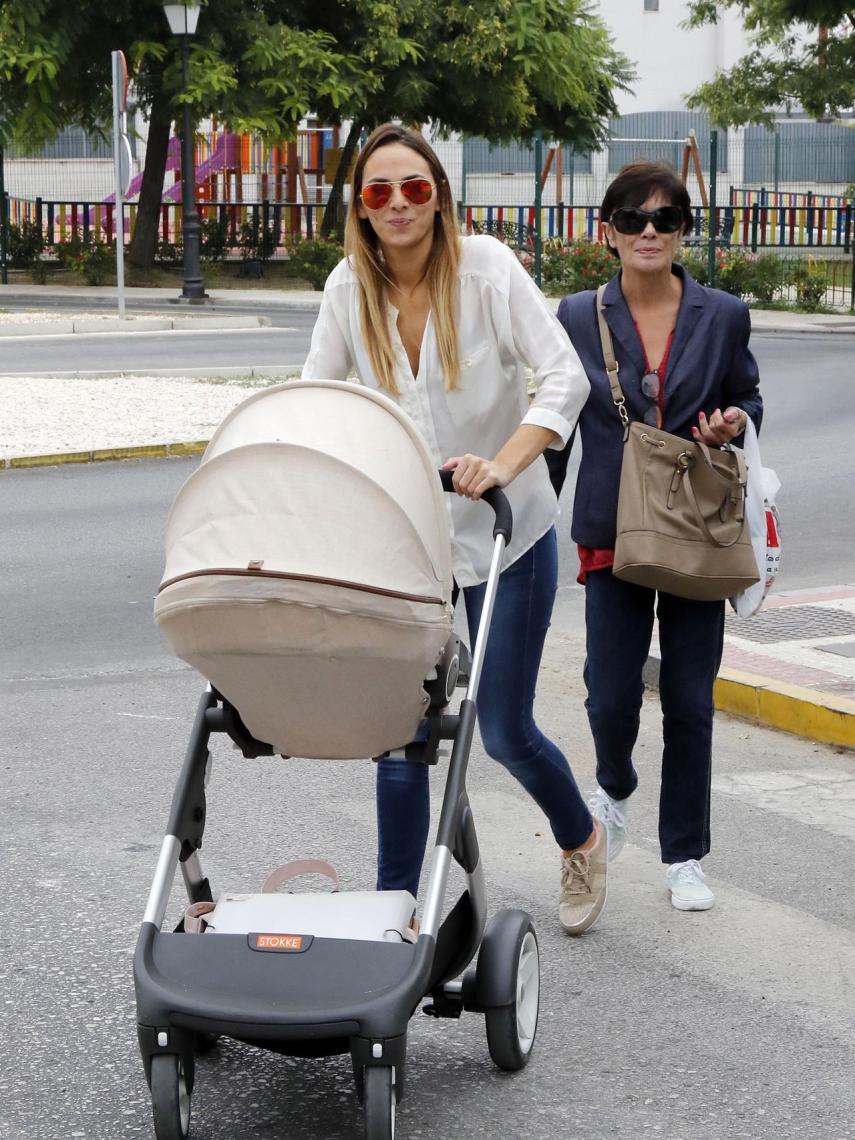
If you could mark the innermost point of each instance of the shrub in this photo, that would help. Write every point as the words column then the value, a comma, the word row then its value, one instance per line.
column 573, row 266
column 767, row 277
column 169, row 253
column 694, row 261
column 69, row 251
column 313, row 259
column 734, row 272
column 737, row 271
column 213, row 239
column 39, row 272
column 256, row 242
column 24, row 245
column 94, row 262
column 810, row 287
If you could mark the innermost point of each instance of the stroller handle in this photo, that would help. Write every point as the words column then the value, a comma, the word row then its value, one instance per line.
column 495, row 498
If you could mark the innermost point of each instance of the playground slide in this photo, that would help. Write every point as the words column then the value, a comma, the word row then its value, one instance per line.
column 226, row 156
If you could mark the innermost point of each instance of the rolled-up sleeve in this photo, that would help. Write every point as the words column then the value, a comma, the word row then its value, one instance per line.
column 561, row 386
column 329, row 356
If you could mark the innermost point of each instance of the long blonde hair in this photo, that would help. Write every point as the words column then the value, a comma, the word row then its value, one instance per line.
column 365, row 256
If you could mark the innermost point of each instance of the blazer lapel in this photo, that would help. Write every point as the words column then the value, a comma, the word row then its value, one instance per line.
column 691, row 307
column 619, row 320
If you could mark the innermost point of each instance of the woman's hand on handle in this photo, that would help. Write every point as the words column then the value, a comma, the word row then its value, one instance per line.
column 474, row 475
column 721, row 427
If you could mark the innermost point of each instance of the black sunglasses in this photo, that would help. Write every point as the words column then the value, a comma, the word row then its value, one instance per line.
column 632, row 220
column 651, row 386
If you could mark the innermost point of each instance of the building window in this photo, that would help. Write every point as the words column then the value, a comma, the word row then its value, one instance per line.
column 651, row 5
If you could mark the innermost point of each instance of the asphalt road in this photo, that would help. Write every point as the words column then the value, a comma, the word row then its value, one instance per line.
column 808, row 383
column 97, row 352
column 731, row 1025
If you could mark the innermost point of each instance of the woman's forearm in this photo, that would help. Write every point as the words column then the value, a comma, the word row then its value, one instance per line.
column 524, row 446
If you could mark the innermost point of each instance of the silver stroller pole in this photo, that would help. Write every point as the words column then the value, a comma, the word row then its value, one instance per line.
column 480, row 649
column 451, row 820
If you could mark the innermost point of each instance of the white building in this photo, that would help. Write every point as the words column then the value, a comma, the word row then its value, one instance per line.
column 670, row 60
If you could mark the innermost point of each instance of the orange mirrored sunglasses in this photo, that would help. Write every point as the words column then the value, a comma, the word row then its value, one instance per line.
column 376, row 195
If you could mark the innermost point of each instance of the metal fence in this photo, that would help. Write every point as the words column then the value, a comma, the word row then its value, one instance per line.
column 786, row 193
column 60, row 222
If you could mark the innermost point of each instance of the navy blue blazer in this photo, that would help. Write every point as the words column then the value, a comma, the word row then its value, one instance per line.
column 710, row 366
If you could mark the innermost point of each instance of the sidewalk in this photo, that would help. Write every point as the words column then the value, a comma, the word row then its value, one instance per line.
column 791, row 667
column 762, row 320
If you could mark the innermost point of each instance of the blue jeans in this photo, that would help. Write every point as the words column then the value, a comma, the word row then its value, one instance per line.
column 521, row 618
column 619, row 624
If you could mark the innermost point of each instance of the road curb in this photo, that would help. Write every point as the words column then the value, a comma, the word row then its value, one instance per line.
column 115, row 326
column 808, row 713
column 104, row 454
column 258, row 371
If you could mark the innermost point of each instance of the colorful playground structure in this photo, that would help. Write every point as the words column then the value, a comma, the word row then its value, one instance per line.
column 283, row 187
column 752, row 218
column 239, row 178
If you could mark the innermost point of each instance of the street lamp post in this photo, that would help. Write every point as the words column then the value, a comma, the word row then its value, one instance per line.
column 183, row 19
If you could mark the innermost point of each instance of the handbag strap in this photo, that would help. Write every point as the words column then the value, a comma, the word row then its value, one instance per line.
column 611, row 363
column 739, row 499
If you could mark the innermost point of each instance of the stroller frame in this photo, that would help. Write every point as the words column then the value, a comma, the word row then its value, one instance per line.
column 335, row 995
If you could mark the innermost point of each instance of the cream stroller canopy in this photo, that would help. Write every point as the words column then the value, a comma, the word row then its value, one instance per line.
column 308, row 570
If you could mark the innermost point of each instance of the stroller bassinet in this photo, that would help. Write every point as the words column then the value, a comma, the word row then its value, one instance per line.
column 308, row 569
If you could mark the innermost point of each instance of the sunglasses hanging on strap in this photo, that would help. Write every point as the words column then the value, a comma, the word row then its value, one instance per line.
column 681, row 506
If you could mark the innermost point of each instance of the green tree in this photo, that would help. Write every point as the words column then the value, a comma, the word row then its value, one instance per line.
column 258, row 64
column 495, row 67
column 804, row 55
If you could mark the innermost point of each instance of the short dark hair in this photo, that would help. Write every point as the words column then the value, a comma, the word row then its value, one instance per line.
column 636, row 182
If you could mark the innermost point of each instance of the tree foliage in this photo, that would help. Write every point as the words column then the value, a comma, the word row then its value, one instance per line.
column 499, row 68
column 804, row 55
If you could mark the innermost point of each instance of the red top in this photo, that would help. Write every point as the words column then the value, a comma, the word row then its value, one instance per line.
column 591, row 558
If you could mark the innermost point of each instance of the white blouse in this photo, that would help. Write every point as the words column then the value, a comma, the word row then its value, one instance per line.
column 504, row 325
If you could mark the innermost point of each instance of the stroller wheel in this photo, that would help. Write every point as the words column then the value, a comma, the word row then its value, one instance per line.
column 170, row 1097
column 379, row 1100
column 514, row 959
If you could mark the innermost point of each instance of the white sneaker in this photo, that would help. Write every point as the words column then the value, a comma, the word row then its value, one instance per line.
column 688, row 889
column 612, row 815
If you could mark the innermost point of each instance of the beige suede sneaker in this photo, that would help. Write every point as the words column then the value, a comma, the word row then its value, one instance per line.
column 584, row 885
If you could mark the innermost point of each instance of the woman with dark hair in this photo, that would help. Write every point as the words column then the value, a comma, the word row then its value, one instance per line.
column 445, row 326
column 685, row 367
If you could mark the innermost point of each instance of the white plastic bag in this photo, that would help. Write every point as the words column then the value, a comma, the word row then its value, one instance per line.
column 762, row 517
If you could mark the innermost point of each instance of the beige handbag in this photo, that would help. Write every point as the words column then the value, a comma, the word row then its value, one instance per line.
column 681, row 507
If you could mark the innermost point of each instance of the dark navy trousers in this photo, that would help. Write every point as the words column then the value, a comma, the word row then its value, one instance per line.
column 619, row 623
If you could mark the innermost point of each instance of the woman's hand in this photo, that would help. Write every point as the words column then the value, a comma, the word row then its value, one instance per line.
column 474, row 475
column 721, row 427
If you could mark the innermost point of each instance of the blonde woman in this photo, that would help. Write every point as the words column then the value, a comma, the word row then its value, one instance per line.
column 445, row 326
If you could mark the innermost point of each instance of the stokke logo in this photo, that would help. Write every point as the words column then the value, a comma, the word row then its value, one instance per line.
column 293, row 942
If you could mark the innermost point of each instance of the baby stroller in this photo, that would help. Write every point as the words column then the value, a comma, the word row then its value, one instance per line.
column 308, row 578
